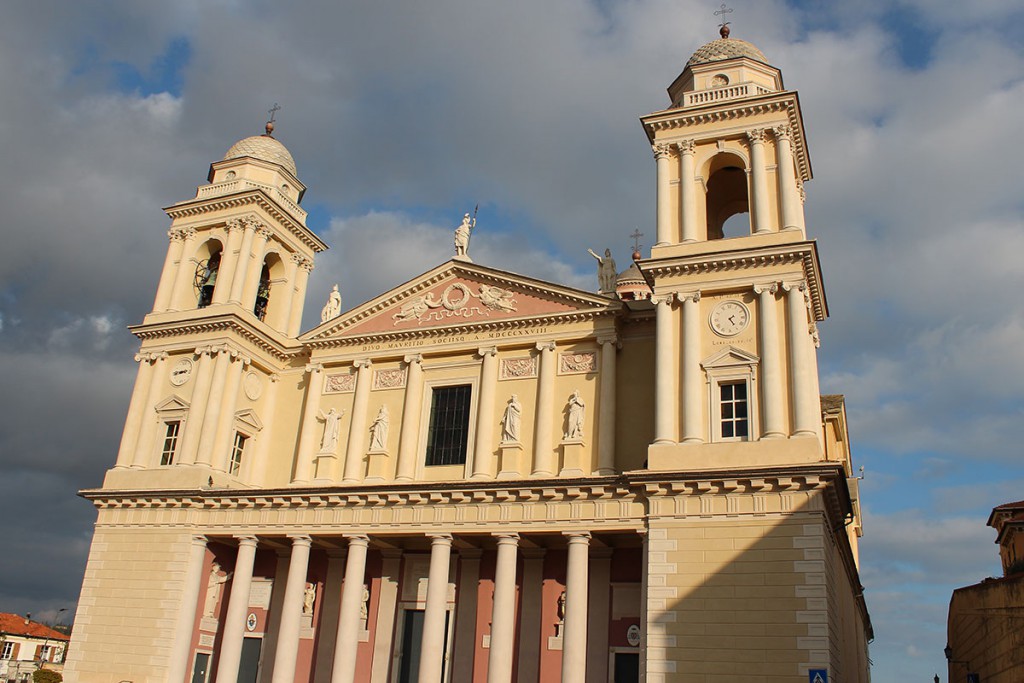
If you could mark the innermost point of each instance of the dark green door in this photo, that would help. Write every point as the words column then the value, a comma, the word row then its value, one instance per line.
column 627, row 667
column 412, row 636
column 200, row 672
column 249, row 666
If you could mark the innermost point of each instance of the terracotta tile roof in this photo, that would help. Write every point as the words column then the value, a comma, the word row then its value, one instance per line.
column 1007, row 506
column 14, row 624
column 832, row 402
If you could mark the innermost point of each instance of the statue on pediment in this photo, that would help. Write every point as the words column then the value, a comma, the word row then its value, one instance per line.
column 497, row 299
column 332, row 309
column 462, row 234
column 606, row 273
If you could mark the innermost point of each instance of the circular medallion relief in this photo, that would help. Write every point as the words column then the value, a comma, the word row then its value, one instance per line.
column 719, row 81
column 182, row 371
column 729, row 318
column 230, row 175
column 250, row 622
column 633, row 635
column 252, row 385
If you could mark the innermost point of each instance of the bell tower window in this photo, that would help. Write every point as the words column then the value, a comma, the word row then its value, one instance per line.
column 262, row 293
column 206, row 279
column 727, row 198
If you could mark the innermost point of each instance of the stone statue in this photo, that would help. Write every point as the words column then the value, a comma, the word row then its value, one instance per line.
column 511, row 420
column 606, row 273
column 332, row 309
column 213, row 587
column 364, row 605
column 497, row 299
column 379, row 430
column 560, row 614
column 576, row 415
column 308, row 598
column 462, row 235
column 332, row 428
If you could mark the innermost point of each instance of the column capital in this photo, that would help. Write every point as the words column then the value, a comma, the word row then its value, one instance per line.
column 782, row 131
column 233, row 224
column 362, row 363
column 252, row 222
column 413, row 358
column 247, row 541
column 506, row 538
column 263, row 232
column 199, row 540
column 300, row 540
column 176, row 235
column 314, row 367
column 546, row 346
column 150, row 356
column 487, row 351
column 685, row 146
column 358, row 540
column 756, row 136
column 440, row 539
column 667, row 298
column 798, row 285
column 688, row 296
column 577, row 536
column 612, row 339
column 769, row 287
column 815, row 337
column 203, row 351
column 661, row 151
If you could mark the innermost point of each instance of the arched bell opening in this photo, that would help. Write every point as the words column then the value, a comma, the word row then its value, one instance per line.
column 205, row 283
column 271, row 292
column 728, row 198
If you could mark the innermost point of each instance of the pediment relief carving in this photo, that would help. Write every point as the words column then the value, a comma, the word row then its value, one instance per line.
column 460, row 294
column 730, row 357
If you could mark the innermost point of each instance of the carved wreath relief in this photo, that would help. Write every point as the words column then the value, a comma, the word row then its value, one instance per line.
column 455, row 303
column 577, row 363
column 518, row 368
column 389, row 379
column 335, row 384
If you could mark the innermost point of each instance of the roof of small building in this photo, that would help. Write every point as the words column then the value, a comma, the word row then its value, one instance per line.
column 1010, row 506
column 14, row 624
column 832, row 402
column 264, row 147
column 725, row 48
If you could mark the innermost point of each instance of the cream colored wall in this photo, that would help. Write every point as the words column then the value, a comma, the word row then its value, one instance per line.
column 124, row 626
column 634, row 419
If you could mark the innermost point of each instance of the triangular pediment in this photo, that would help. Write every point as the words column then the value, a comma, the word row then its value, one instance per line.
column 250, row 419
column 730, row 357
column 173, row 404
column 457, row 294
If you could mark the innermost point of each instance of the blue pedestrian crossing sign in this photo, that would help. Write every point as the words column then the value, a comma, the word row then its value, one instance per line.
column 817, row 676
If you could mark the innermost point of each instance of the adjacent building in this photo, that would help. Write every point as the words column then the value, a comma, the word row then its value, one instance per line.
column 27, row 646
column 482, row 476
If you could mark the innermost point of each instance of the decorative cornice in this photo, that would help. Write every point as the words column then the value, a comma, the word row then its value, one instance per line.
column 221, row 324
column 249, row 198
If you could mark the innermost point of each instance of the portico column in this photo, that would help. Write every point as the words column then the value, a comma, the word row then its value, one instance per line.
column 688, row 196
column 467, row 599
column 301, row 278
column 144, row 447
column 805, row 418
column 758, row 182
column 574, row 643
column 410, row 418
column 181, row 647
column 693, row 402
column 186, row 271
column 771, row 362
column 483, row 457
column 530, row 615
column 197, row 408
column 330, row 609
column 314, row 388
column 432, row 644
column 356, row 447
column 136, row 408
column 664, row 370
column 242, row 266
column 789, row 195
column 252, row 275
column 606, row 412
column 238, row 606
column 229, row 261
column 166, row 287
column 499, row 665
column 348, row 618
column 291, row 612
column 222, row 444
column 543, row 452
column 214, row 405
column 664, row 215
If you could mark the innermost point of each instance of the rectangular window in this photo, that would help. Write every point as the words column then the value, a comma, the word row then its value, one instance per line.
column 236, row 453
column 733, row 402
column 45, row 653
column 170, row 443
column 8, row 651
column 449, row 425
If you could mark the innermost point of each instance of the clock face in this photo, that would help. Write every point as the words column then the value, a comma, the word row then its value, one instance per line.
column 729, row 318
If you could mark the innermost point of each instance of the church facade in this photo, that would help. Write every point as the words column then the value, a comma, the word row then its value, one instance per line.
column 481, row 476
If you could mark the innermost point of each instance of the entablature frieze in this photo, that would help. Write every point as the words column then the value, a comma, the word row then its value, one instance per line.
column 803, row 255
column 173, row 332
column 255, row 197
column 684, row 120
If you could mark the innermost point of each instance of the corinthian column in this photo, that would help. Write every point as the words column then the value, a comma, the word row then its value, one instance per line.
column 499, row 665
column 661, row 153
column 789, row 193
column 166, row 286
column 432, row 645
column 483, row 458
column 664, row 370
column 806, row 414
column 410, row 418
column 759, row 182
column 542, row 449
column 238, row 605
column 606, row 412
column 771, row 362
column 357, row 427
column 574, row 643
column 688, row 196
column 693, row 374
column 307, row 437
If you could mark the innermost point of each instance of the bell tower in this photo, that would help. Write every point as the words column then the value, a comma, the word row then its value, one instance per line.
column 737, row 285
column 241, row 244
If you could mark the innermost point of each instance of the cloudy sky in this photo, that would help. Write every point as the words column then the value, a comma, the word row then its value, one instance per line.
column 402, row 115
